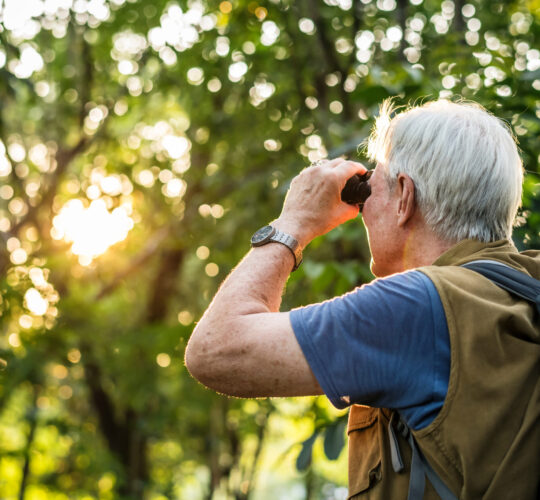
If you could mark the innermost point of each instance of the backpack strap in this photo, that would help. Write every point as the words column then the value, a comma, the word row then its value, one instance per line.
column 512, row 280
column 420, row 467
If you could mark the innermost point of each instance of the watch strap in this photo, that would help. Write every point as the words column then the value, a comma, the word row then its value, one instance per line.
column 291, row 243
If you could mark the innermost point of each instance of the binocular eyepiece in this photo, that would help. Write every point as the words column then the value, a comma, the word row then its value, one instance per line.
column 357, row 189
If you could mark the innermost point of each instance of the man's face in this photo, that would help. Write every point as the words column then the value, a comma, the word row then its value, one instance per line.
column 380, row 218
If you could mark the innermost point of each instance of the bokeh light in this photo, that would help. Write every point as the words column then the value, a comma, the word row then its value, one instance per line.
column 35, row 303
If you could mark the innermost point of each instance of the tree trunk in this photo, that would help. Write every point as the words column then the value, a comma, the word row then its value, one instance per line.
column 164, row 285
column 122, row 435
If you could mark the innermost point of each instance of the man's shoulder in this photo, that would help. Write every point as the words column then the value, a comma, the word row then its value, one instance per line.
column 411, row 277
column 413, row 281
column 407, row 293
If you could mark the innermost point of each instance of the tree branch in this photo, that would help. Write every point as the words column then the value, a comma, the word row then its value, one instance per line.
column 65, row 156
column 261, row 434
column 63, row 159
column 459, row 21
column 330, row 55
column 358, row 11
column 402, row 20
column 142, row 258
column 86, row 80
column 32, row 419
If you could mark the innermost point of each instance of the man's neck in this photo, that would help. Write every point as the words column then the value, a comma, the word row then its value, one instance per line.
column 423, row 248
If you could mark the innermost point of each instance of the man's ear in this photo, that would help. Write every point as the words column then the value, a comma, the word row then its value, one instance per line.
column 407, row 200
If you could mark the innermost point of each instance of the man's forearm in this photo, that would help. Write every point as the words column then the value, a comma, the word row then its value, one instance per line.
column 254, row 286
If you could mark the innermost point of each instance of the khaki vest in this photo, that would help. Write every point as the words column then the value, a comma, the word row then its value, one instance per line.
column 485, row 441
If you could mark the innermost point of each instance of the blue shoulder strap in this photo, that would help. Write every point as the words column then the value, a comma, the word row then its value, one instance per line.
column 420, row 467
column 508, row 278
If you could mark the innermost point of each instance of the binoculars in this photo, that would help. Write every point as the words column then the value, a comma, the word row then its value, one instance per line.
column 357, row 189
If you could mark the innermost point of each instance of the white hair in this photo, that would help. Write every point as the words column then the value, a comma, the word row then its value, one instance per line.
column 464, row 163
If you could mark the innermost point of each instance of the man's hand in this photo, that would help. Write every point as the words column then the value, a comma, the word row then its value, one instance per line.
column 313, row 204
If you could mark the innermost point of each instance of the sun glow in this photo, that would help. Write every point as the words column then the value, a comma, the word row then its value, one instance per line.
column 93, row 229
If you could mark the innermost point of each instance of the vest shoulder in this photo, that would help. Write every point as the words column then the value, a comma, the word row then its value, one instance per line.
column 527, row 262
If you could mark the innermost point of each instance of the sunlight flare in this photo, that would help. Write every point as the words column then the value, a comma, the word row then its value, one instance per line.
column 93, row 229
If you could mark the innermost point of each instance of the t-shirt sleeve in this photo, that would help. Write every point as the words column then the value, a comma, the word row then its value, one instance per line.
column 384, row 344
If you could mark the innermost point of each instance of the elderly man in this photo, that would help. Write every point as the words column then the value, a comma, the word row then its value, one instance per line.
column 453, row 355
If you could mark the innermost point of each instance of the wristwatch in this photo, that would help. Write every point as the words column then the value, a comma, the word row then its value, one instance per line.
column 269, row 234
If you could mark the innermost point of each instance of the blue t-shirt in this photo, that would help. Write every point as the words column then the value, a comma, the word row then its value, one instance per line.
column 385, row 344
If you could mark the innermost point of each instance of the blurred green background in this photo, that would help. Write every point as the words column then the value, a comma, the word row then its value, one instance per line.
column 142, row 142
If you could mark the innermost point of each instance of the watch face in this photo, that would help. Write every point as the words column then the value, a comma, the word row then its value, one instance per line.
column 262, row 235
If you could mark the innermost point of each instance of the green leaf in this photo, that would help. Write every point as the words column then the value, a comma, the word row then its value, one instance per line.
column 304, row 458
column 334, row 439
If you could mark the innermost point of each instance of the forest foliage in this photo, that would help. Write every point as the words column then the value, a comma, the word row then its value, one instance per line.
column 141, row 144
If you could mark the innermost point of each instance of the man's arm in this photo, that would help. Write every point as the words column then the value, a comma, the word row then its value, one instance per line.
column 243, row 346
